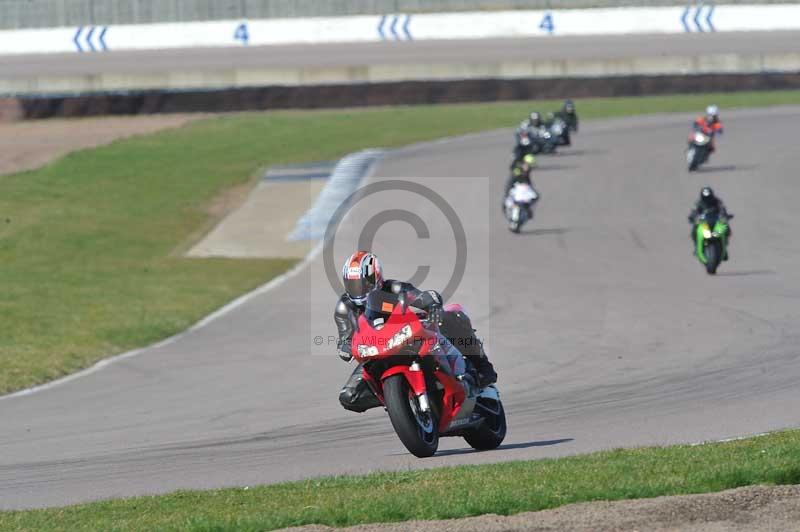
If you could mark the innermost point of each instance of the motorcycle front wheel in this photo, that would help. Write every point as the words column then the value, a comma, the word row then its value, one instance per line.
column 514, row 221
column 417, row 430
column 692, row 159
column 713, row 255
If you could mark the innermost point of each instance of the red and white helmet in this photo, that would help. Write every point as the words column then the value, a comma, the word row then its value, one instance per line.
column 362, row 273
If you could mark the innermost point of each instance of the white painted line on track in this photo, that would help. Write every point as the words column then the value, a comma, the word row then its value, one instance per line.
column 735, row 438
column 199, row 325
column 343, row 181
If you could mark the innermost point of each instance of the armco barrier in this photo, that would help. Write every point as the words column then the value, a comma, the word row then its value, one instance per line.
column 95, row 37
column 412, row 92
column 18, row 14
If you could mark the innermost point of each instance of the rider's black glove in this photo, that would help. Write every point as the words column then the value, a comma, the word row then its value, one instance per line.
column 691, row 219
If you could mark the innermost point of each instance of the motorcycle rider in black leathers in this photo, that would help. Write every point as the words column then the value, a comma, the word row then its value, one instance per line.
column 523, row 146
column 708, row 201
column 570, row 117
column 535, row 120
column 362, row 273
column 531, row 129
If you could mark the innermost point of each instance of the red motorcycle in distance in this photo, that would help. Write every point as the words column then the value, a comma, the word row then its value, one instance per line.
column 422, row 379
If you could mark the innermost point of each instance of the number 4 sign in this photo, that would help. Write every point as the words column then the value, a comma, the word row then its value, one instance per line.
column 547, row 23
column 241, row 34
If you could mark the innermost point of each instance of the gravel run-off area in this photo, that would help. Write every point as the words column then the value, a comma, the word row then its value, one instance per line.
column 755, row 508
column 31, row 144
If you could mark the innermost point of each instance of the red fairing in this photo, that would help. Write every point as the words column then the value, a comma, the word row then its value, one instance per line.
column 452, row 398
column 415, row 378
column 402, row 330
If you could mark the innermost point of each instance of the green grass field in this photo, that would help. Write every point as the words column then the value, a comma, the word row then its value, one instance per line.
column 87, row 244
column 505, row 488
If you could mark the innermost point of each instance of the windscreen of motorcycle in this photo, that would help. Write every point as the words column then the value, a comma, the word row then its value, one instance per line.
column 380, row 305
column 710, row 217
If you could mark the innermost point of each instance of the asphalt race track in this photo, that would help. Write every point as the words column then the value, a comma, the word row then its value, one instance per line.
column 591, row 48
column 604, row 329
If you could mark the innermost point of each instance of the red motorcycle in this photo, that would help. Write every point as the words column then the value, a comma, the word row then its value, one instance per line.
column 422, row 379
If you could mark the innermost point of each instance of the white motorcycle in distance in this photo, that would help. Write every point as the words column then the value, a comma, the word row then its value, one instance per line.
column 519, row 205
column 699, row 150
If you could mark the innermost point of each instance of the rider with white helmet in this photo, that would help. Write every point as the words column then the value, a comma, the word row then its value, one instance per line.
column 709, row 124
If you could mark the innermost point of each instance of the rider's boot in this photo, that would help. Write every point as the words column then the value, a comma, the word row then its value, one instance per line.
column 477, row 356
column 356, row 395
column 486, row 373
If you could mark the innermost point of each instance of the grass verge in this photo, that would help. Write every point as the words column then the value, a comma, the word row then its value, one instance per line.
column 86, row 268
column 445, row 493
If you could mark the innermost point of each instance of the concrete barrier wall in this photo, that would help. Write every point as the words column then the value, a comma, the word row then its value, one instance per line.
column 354, row 95
column 287, row 76
column 17, row 14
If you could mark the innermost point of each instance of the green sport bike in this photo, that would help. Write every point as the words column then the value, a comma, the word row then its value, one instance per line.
column 711, row 234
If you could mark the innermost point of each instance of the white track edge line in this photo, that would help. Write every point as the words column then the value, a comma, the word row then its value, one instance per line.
column 272, row 283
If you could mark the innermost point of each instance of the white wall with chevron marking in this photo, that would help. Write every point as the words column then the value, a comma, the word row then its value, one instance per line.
column 403, row 27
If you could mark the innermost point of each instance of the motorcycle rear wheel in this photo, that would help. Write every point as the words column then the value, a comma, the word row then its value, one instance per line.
column 416, row 429
column 489, row 434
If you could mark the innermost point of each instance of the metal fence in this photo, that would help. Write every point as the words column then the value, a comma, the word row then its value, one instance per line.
column 55, row 13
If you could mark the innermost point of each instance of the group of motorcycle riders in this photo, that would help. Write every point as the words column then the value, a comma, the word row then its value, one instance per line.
column 362, row 272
